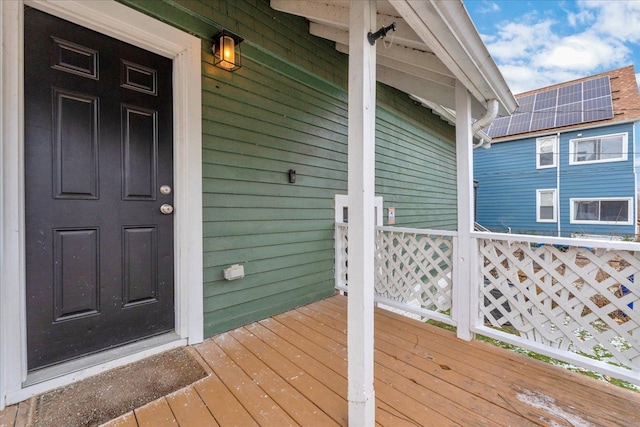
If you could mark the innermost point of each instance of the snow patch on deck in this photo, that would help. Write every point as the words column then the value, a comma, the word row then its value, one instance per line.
column 548, row 404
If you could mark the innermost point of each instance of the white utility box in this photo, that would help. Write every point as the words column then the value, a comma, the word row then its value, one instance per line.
column 236, row 271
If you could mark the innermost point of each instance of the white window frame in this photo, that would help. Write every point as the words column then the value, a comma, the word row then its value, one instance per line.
column 554, row 151
column 539, row 205
column 623, row 152
column 630, row 211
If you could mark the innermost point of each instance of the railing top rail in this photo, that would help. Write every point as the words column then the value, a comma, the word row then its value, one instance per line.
column 418, row 231
column 409, row 230
column 568, row 241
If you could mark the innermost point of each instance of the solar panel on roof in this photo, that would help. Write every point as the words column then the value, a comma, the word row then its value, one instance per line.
column 596, row 88
column 598, row 109
column 569, row 114
column 499, row 127
column 543, row 119
column 546, row 100
column 582, row 102
column 520, row 123
column 521, row 119
column 570, row 94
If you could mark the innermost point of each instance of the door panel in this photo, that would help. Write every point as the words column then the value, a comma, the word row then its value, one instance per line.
column 98, row 145
column 75, row 145
column 76, row 282
column 139, row 147
column 141, row 265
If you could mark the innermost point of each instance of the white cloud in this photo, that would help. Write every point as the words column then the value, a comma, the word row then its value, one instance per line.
column 514, row 41
column 582, row 52
column 580, row 18
column 488, row 7
column 617, row 19
column 536, row 51
column 522, row 77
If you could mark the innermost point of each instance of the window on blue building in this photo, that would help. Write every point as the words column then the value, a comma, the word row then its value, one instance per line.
column 546, row 149
column 546, row 205
column 610, row 148
column 599, row 211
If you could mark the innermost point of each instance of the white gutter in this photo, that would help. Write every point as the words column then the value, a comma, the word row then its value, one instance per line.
column 450, row 116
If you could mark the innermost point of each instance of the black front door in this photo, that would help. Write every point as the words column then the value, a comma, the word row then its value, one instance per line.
column 98, row 169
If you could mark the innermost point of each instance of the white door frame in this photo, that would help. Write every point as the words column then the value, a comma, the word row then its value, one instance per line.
column 126, row 24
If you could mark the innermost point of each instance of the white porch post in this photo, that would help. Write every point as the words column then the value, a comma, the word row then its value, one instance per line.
column 463, row 278
column 361, row 164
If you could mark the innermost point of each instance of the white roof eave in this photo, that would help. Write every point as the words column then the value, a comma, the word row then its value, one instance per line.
column 434, row 45
column 445, row 26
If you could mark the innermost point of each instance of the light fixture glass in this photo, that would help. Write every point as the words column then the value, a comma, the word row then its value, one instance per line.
column 226, row 50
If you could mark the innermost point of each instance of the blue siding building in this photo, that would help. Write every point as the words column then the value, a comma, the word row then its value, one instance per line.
column 577, row 179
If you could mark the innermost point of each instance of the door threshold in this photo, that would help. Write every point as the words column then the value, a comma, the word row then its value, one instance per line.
column 80, row 368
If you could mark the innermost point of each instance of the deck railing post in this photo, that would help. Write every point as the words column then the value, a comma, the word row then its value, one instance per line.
column 464, row 281
column 340, row 283
column 361, row 235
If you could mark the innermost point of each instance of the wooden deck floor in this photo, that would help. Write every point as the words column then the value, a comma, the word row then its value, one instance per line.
column 291, row 370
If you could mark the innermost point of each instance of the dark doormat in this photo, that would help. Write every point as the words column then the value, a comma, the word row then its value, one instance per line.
column 110, row 394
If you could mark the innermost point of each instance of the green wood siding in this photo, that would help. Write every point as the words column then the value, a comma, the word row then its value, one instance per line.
column 286, row 108
column 415, row 163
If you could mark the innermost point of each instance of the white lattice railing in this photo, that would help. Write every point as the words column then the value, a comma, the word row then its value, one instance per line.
column 413, row 269
column 571, row 299
column 565, row 296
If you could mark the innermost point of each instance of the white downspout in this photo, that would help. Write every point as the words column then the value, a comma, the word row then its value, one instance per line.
column 490, row 115
column 635, row 176
column 635, row 181
column 486, row 120
column 558, row 185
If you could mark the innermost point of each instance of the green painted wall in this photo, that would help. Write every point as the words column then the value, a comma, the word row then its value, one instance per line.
column 286, row 109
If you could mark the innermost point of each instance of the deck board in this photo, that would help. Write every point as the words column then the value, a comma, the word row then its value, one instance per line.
column 156, row 414
column 126, row 420
column 226, row 409
column 291, row 369
column 189, row 409
column 417, row 382
column 296, row 390
column 523, row 378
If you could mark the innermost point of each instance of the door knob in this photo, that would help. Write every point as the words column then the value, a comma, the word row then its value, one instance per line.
column 166, row 209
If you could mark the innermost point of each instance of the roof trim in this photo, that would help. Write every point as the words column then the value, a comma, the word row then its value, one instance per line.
column 445, row 26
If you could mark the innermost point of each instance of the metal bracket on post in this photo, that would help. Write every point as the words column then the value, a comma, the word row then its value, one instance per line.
column 372, row 37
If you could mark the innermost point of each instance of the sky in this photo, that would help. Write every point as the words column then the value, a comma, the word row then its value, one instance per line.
column 537, row 43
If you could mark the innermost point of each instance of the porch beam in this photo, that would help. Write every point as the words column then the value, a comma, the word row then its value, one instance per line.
column 410, row 70
column 465, row 282
column 413, row 69
column 438, row 93
column 361, row 189
column 336, row 15
column 417, row 57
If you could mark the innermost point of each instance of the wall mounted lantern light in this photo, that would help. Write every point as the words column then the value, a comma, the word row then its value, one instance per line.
column 226, row 50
